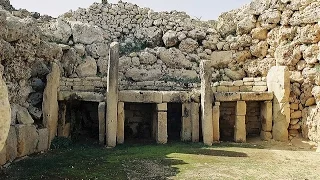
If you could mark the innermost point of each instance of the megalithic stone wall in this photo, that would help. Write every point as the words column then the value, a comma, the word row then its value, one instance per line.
column 5, row 113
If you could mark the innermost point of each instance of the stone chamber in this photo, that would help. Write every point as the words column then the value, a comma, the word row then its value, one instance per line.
column 117, row 73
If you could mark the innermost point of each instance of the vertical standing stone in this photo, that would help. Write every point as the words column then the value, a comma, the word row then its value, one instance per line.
column 5, row 113
column 186, row 122
column 278, row 81
column 240, row 133
column 162, row 126
column 50, row 105
column 215, row 121
column 206, row 102
column 195, row 121
column 121, row 118
column 102, row 122
column 62, row 118
column 112, row 95
column 266, row 116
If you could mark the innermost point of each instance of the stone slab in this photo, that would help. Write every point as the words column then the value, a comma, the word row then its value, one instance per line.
column 195, row 120
column 215, row 122
column 240, row 129
column 241, row 108
column 81, row 96
column 162, row 128
column 227, row 96
column 186, row 131
column 256, row 96
column 140, row 96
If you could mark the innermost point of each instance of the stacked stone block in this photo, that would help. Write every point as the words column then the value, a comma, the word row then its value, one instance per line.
column 246, row 85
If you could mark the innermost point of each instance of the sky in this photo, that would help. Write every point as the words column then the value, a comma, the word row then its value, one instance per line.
column 202, row 9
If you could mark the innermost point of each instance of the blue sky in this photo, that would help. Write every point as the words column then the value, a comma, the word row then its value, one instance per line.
column 204, row 9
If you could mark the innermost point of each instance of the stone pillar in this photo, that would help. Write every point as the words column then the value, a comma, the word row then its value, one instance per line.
column 206, row 102
column 186, row 130
column 5, row 113
column 50, row 105
column 195, row 121
column 240, row 133
column 278, row 81
column 62, row 118
column 102, row 123
column 162, row 127
column 266, row 120
column 112, row 95
column 120, row 126
column 215, row 121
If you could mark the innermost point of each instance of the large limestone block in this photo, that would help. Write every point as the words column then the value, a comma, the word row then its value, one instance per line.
column 162, row 128
column 43, row 140
column 57, row 31
column 3, row 158
column 278, row 82
column 5, row 113
column 174, row 58
column 311, row 124
column 50, row 105
column 240, row 133
column 256, row 96
column 11, row 144
column 195, row 118
column 215, row 122
column 170, row 38
column 266, row 116
column 241, row 108
column 27, row 139
column 140, row 96
column 227, row 96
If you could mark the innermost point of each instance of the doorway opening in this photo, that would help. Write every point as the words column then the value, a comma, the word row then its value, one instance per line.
column 174, row 121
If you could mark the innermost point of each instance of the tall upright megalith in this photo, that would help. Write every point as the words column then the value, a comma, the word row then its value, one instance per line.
column 50, row 104
column 112, row 95
column 278, row 81
column 206, row 102
column 5, row 113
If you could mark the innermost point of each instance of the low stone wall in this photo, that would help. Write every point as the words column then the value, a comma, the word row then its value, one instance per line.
column 246, row 85
column 24, row 140
column 88, row 84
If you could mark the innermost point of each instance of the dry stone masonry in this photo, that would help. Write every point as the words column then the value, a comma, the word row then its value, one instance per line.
column 253, row 72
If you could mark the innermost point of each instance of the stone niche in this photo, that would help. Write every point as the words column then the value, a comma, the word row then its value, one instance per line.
column 79, row 120
column 174, row 121
column 139, row 122
column 253, row 119
column 227, row 120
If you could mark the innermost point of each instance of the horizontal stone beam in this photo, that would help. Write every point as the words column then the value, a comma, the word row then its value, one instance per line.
column 243, row 96
column 140, row 96
column 81, row 96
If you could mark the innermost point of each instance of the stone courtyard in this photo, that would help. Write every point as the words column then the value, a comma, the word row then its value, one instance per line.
column 119, row 73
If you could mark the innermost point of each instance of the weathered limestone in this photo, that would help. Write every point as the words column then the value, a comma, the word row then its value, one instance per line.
column 278, row 81
column 240, row 134
column 43, row 140
column 120, row 126
column 266, row 120
column 5, row 113
column 102, row 122
column 11, row 144
column 27, row 139
column 206, row 102
column 195, row 121
column 62, row 118
column 112, row 95
column 140, row 96
column 186, row 131
column 50, row 105
column 215, row 121
column 162, row 124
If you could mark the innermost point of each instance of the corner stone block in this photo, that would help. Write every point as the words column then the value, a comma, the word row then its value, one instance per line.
column 102, row 122
column 120, row 126
column 162, row 129
column 241, row 108
column 266, row 116
column 240, row 134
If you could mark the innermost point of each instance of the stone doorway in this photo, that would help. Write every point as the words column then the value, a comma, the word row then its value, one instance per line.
column 227, row 120
column 174, row 121
column 253, row 119
column 79, row 120
column 139, row 122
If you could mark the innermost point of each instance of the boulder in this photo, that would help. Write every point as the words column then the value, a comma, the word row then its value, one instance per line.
column 86, row 33
column 98, row 50
column 259, row 33
column 221, row 59
column 5, row 111
column 260, row 49
column 170, row 38
column 88, row 68
column 188, row 45
column 147, row 58
column 152, row 36
column 23, row 116
column 57, row 31
column 287, row 54
column 174, row 58
column 137, row 74
column 246, row 25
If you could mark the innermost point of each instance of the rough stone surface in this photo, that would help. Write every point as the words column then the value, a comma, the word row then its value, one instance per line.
column 5, row 112
column 27, row 139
